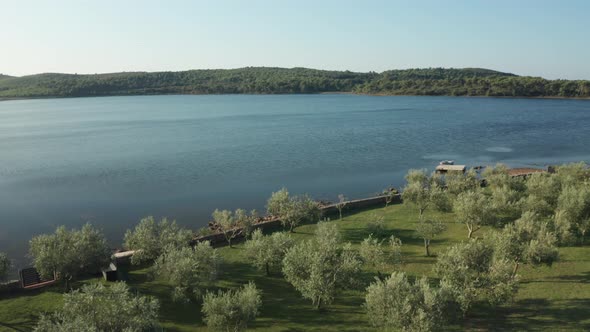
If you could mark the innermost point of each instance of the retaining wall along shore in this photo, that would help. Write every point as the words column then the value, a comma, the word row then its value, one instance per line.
column 218, row 239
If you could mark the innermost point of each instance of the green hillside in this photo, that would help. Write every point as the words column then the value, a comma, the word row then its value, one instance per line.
column 264, row 80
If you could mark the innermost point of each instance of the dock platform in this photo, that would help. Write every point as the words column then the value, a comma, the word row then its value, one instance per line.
column 450, row 168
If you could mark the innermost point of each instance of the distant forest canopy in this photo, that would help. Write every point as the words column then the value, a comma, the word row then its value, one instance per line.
column 264, row 80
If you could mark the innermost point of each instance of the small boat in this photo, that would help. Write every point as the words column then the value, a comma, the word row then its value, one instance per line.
column 447, row 162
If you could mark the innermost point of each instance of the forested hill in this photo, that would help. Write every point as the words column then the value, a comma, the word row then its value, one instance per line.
column 263, row 80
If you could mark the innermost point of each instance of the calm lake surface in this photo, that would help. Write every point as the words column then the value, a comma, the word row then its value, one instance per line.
column 113, row 160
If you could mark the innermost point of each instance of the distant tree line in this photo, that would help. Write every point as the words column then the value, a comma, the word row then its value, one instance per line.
column 265, row 80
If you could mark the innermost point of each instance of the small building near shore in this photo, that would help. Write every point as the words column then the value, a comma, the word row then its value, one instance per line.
column 123, row 257
column 441, row 169
column 110, row 273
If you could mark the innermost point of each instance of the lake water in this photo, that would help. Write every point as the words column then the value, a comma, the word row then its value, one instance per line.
column 113, row 160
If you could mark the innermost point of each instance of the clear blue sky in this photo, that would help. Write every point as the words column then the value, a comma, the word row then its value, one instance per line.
column 539, row 38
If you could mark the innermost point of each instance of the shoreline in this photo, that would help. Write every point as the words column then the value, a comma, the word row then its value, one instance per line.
column 3, row 99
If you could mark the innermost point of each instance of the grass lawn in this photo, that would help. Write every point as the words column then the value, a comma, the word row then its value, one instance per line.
column 553, row 298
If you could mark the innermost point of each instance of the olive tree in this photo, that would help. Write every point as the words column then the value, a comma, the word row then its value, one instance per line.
column 417, row 195
column 231, row 310
column 497, row 177
column 423, row 192
column 389, row 194
column 150, row 238
column 232, row 223
column 303, row 209
column 5, row 265
column 292, row 210
column 266, row 251
column 475, row 210
column 396, row 304
column 68, row 253
column 527, row 241
column 428, row 230
column 187, row 269
column 226, row 223
column 562, row 228
column 341, row 204
column 317, row 268
column 377, row 225
column 96, row 307
column 247, row 221
column 573, row 174
column 278, row 203
column 373, row 253
column 457, row 182
column 378, row 254
column 574, row 205
column 544, row 187
column 471, row 270
column 506, row 203
column 395, row 256
column 536, row 205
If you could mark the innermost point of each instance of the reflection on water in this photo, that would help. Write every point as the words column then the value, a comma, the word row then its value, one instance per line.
column 501, row 149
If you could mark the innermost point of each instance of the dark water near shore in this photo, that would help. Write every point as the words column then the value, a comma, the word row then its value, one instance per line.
column 114, row 160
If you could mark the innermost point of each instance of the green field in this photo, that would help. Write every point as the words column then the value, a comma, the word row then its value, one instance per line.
column 555, row 298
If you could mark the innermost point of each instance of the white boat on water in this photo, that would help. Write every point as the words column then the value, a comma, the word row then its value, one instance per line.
column 447, row 162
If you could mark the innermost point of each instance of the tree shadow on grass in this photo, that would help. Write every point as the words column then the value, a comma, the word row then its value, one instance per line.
column 301, row 232
column 358, row 234
column 351, row 212
column 171, row 312
column 28, row 313
column 283, row 305
column 408, row 259
column 26, row 326
column 533, row 315
column 583, row 277
column 291, row 309
column 58, row 289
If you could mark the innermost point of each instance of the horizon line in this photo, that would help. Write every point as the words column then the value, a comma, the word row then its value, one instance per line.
column 269, row 67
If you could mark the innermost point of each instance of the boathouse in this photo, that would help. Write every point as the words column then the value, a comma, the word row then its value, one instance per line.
column 441, row 169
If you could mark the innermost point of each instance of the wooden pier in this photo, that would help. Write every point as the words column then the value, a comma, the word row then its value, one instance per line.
column 450, row 168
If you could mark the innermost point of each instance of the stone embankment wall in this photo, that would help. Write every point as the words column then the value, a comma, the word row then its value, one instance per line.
column 218, row 239
column 11, row 286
